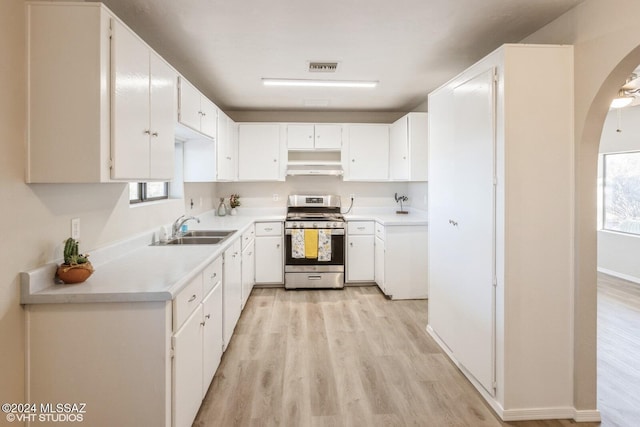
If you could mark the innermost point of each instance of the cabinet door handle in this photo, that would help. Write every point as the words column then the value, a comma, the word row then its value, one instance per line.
column 249, row 254
column 228, row 158
column 202, row 323
column 193, row 297
column 278, row 245
column 452, row 222
column 147, row 132
column 351, row 244
column 275, row 160
column 154, row 134
column 268, row 229
column 201, row 113
column 353, row 160
column 208, row 316
column 360, row 228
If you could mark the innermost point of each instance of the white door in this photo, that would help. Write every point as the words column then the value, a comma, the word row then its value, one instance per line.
column 259, row 152
column 190, row 112
column 212, row 335
column 300, row 137
column 269, row 261
column 360, row 258
column 328, row 137
column 248, row 271
column 163, row 110
column 130, row 106
column 399, row 150
column 368, row 157
column 379, row 264
column 474, row 225
column 232, row 290
column 209, row 120
column 187, row 370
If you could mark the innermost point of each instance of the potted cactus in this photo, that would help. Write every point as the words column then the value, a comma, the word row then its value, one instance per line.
column 76, row 267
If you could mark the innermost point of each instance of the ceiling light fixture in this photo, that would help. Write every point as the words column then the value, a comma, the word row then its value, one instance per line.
column 622, row 100
column 320, row 83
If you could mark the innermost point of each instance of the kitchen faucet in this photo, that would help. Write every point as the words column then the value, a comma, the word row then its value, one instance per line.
column 177, row 225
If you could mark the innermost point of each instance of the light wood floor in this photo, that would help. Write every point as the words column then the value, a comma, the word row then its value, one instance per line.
column 618, row 351
column 343, row 358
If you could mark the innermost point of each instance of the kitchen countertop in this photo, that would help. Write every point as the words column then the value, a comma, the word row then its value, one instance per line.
column 388, row 217
column 134, row 271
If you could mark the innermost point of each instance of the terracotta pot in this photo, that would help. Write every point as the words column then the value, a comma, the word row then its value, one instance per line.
column 74, row 274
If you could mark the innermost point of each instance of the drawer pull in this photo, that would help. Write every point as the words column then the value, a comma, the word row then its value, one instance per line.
column 268, row 229
column 314, row 277
column 193, row 298
column 361, row 228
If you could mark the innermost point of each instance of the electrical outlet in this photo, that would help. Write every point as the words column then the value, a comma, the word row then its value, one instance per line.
column 75, row 228
column 276, row 197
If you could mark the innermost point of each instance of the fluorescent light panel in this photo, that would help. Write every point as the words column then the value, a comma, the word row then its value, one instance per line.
column 319, row 83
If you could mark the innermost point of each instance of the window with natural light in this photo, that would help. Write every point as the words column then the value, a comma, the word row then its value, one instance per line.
column 621, row 192
column 140, row 192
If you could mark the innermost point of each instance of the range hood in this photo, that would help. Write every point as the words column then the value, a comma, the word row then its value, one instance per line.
column 314, row 168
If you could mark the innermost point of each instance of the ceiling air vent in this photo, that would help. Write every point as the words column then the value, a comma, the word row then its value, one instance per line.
column 323, row 67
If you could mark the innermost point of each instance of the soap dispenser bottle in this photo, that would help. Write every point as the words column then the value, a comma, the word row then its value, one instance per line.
column 222, row 209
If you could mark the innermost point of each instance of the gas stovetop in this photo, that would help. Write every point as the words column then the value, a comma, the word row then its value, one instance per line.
column 314, row 211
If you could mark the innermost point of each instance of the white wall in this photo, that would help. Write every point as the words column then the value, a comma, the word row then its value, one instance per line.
column 618, row 253
column 606, row 45
column 367, row 194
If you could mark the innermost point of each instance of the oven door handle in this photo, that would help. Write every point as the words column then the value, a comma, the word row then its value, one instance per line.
column 334, row 231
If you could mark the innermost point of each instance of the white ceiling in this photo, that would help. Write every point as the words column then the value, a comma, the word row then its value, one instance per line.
column 411, row 47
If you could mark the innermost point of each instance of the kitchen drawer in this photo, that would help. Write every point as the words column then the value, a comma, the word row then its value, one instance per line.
column 248, row 236
column 211, row 275
column 379, row 230
column 187, row 301
column 268, row 229
column 360, row 227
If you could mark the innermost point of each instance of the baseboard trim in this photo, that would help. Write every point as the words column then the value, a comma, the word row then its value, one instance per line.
column 587, row 416
column 519, row 414
column 619, row 275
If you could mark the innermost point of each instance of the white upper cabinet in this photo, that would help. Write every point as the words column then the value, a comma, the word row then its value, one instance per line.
column 367, row 156
column 408, row 148
column 227, row 152
column 195, row 110
column 259, row 152
column 314, row 137
column 142, row 110
column 118, row 95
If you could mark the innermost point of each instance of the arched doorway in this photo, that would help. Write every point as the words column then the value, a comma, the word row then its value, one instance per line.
column 590, row 117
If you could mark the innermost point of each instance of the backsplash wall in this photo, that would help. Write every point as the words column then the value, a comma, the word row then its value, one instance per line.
column 367, row 194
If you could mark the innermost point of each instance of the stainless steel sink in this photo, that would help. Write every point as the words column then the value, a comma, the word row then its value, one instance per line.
column 199, row 237
column 195, row 241
column 209, row 233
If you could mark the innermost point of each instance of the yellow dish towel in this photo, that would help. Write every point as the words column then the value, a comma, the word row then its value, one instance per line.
column 310, row 243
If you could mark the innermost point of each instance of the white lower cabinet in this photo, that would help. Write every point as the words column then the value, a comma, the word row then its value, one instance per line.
column 401, row 261
column 231, row 290
column 269, row 263
column 187, row 370
column 360, row 251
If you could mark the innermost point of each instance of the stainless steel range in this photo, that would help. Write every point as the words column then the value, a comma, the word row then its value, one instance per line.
column 314, row 242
